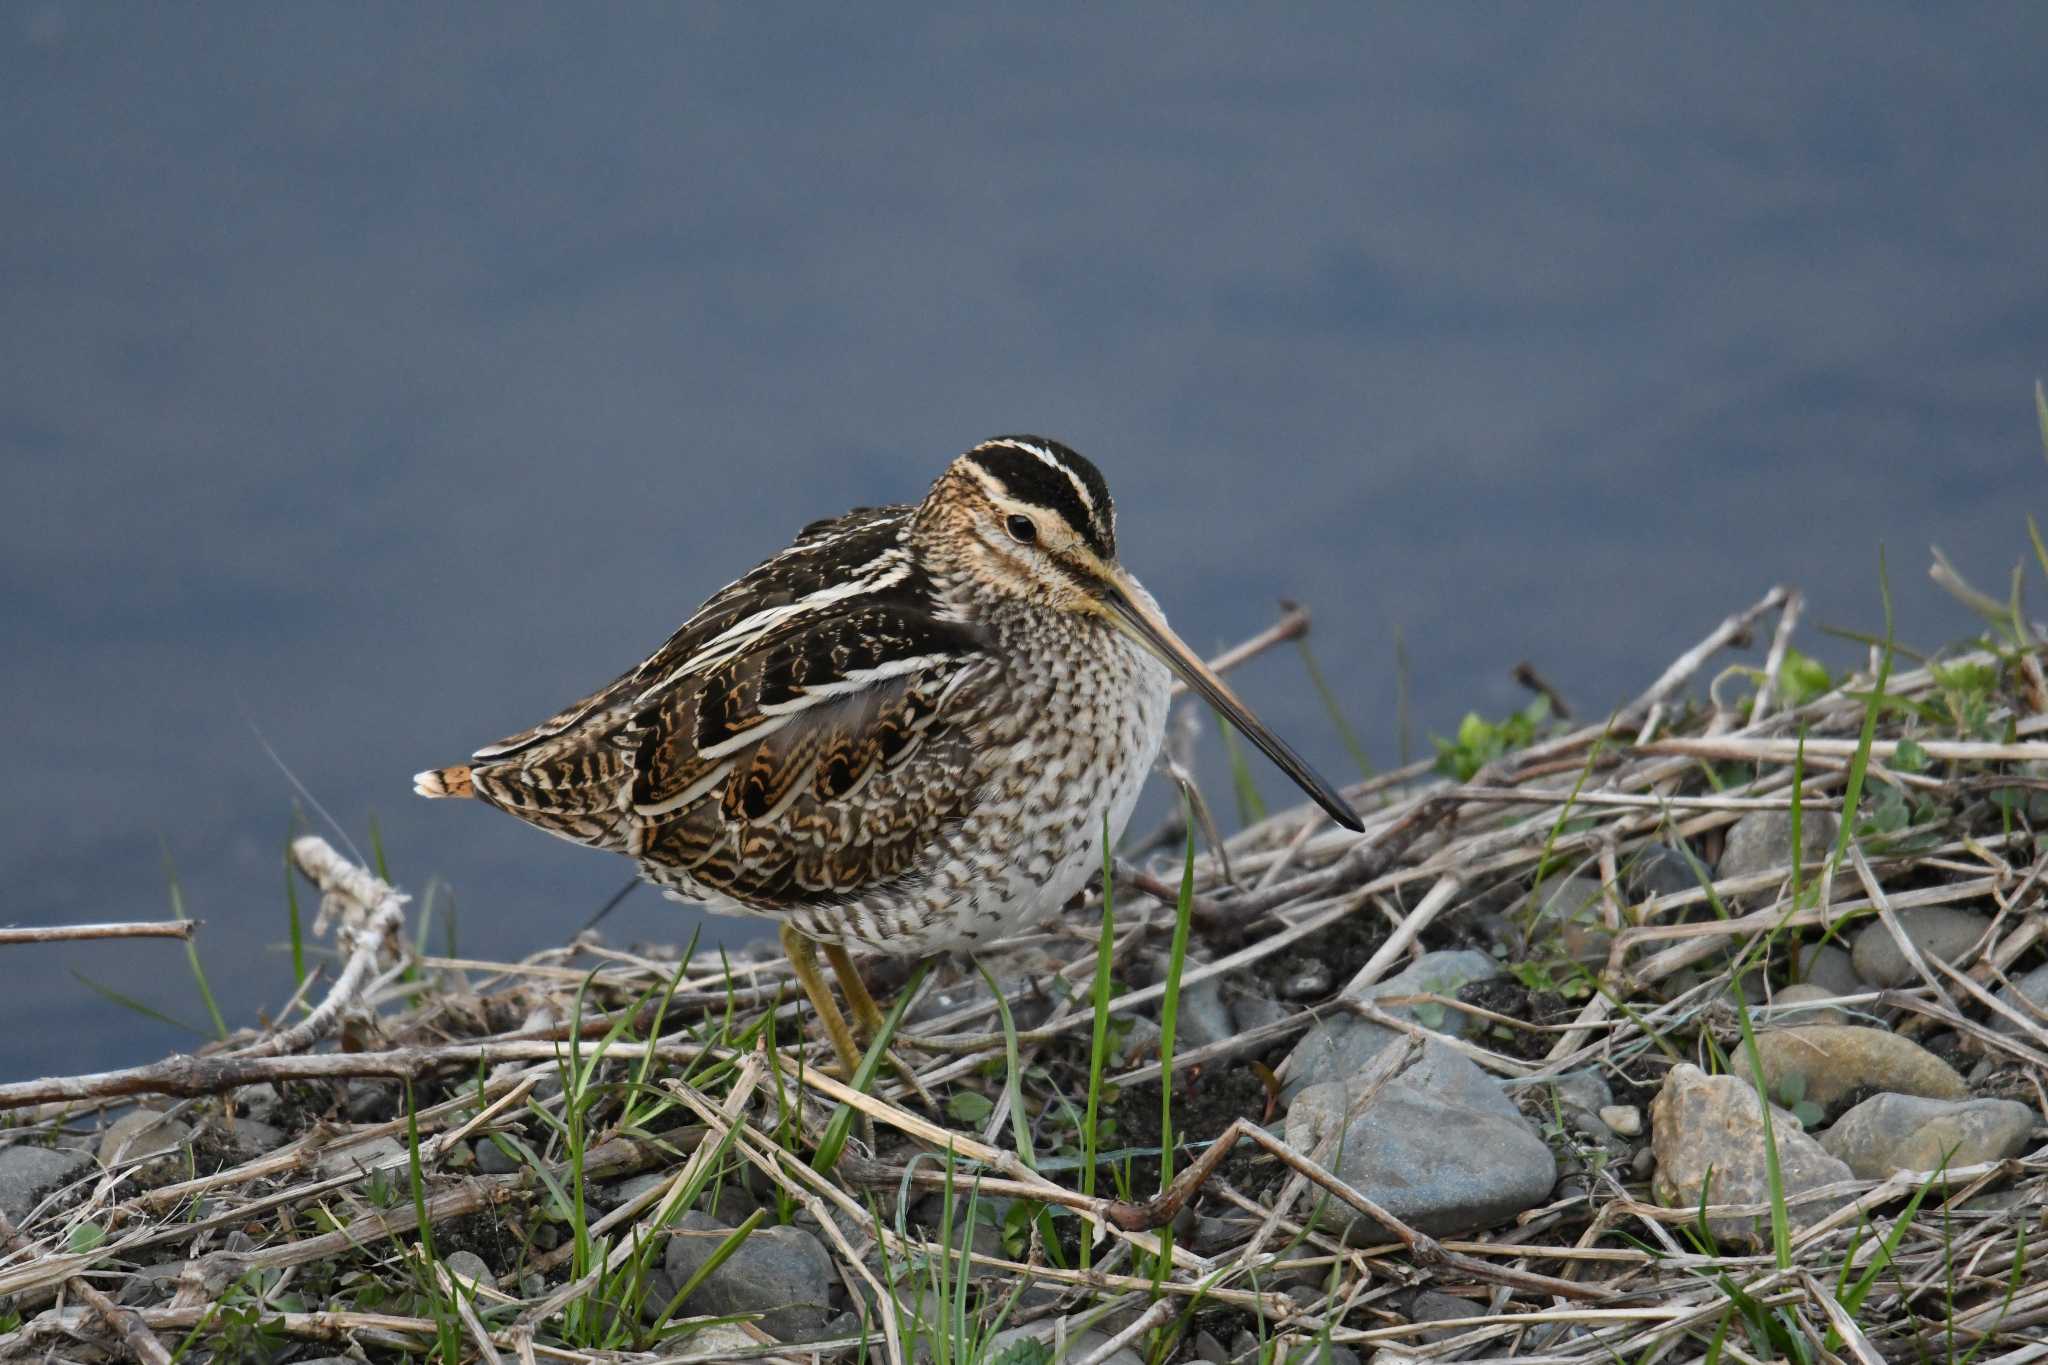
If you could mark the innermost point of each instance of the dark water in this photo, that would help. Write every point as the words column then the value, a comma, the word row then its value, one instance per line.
column 379, row 379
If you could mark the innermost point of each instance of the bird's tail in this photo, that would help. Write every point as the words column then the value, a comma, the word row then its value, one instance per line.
column 437, row 782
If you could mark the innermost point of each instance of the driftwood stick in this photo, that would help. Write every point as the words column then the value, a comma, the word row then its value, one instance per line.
column 1292, row 625
column 67, row 933
column 185, row 1075
column 1734, row 630
column 370, row 915
column 1774, row 661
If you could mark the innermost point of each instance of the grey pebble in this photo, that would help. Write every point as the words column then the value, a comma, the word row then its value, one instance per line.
column 1249, row 1011
column 28, row 1175
column 1573, row 912
column 470, row 1266
column 1585, row 1090
column 1310, row 984
column 1828, row 966
column 2031, row 987
column 1078, row 1346
column 1938, row 931
column 1797, row 1004
column 782, row 1273
column 260, row 1102
column 1761, row 841
column 139, row 1135
column 1203, row 1017
column 492, row 1159
column 370, row 1102
column 1340, row 1045
column 1430, row 1305
column 249, row 1138
column 150, row 1284
column 632, row 1187
column 1904, row 1132
column 1659, row 870
column 1396, row 1147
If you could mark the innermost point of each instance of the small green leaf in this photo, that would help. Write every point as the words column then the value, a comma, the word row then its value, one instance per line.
column 86, row 1236
column 1910, row 758
column 1803, row 679
column 969, row 1106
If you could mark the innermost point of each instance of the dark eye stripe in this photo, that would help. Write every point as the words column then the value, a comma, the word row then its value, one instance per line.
column 1029, row 479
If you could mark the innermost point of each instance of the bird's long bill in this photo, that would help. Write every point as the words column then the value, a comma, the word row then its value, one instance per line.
column 1151, row 630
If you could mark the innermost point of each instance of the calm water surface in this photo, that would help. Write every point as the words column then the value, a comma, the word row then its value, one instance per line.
column 376, row 379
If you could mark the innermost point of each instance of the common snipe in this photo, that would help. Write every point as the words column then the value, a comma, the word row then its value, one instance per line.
column 902, row 733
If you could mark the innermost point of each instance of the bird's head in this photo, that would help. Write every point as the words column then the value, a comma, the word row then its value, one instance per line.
column 1028, row 518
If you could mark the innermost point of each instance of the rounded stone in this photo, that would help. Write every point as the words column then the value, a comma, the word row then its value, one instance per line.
column 1708, row 1134
column 28, row 1175
column 1797, row 1004
column 491, row 1159
column 781, row 1273
column 1761, row 841
column 2031, row 988
column 1828, row 966
column 1624, row 1119
column 1659, row 870
column 1396, row 1148
column 1938, row 931
column 1341, row 1044
column 1833, row 1060
column 469, row 1266
column 150, row 1145
column 1886, row 1133
column 1573, row 913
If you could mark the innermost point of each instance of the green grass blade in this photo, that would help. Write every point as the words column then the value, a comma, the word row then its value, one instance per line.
column 220, row 1025
column 293, row 921
column 1098, row 1046
column 1013, row 1083
column 377, row 851
column 2041, row 412
column 129, row 1002
column 841, row 1124
column 1251, row 807
column 1169, row 1017
column 1774, row 1175
column 1330, row 703
column 719, row 1256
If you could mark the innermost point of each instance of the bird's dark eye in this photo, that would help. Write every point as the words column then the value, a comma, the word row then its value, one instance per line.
column 1022, row 529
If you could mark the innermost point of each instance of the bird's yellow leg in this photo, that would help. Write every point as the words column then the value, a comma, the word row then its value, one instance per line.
column 868, row 1016
column 803, row 956
column 866, row 1013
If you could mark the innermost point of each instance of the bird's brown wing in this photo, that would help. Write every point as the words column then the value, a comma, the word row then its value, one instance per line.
column 816, row 761
column 797, row 738
column 824, row 552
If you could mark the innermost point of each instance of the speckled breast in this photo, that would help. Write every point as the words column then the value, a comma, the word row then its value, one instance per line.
column 1064, row 739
